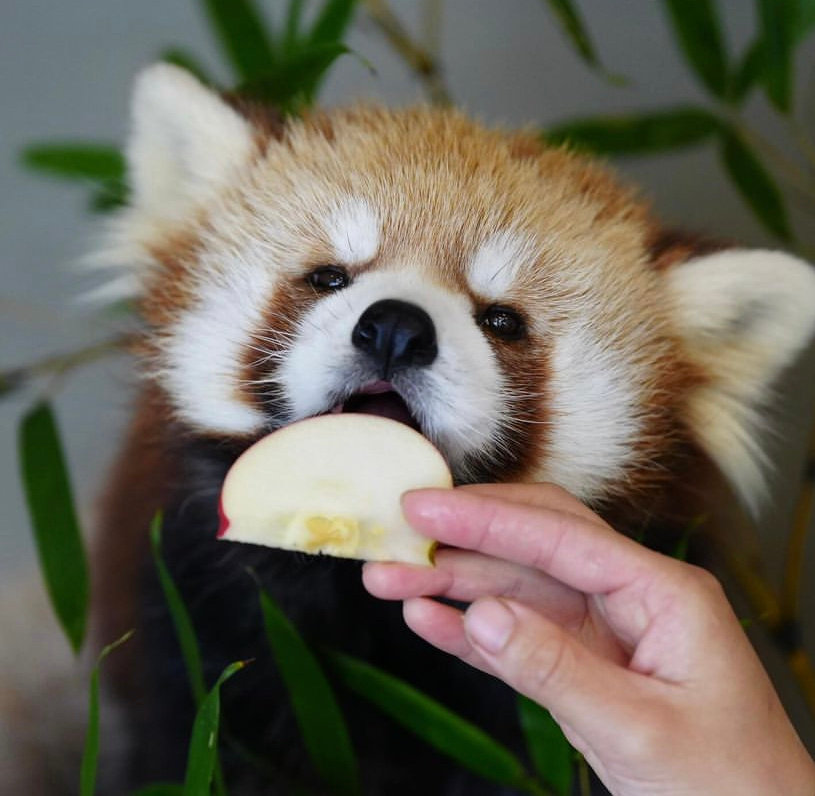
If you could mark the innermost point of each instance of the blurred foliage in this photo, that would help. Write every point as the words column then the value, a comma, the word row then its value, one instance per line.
column 432, row 722
column 90, row 756
column 550, row 752
column 286, row 65
column 318, row 715
column 57, row 537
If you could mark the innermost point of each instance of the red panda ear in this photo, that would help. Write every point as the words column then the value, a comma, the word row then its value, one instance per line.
column 744, row 316
column 184, row 144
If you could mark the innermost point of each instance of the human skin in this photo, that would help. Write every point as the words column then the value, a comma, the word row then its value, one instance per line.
column 639, row 657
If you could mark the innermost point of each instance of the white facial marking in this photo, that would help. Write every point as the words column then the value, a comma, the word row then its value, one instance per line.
column 594, row 420
column 457, row 398
column 494, row 269
column 205, row 351
column 353, row 230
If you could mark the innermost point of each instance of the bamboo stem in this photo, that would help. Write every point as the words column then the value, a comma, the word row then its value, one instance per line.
column 419, row 59
column 58, row 365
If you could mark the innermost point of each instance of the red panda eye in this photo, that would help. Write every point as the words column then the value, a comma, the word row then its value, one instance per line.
column 329, row 277
column 503, row 322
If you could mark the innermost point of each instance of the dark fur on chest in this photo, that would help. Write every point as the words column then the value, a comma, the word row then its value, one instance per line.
column 324, row 597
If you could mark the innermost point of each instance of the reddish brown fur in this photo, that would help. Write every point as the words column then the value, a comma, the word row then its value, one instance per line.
column 137, row 489
column 440, row 183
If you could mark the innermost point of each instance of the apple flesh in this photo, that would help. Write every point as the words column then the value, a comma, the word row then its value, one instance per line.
column 332, row 484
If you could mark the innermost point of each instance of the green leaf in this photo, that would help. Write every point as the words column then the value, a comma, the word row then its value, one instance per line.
column 431, row 721
column 315, row 708
column 294, row 80
column 637, row 134
column 750, row 70
column 179, row 57
column 76, row 161
column 777, row 19
column 241, row 32
column 56, row 530
column 550, row 752
column 160, row 789
column 109, row 196
column 805, row 19
column 180, row 616
column 570, row 21
column 203, row 752
column 332, row 22
column 293, row 16
column 747, row 73
column 90, row 755
column 755, row 184
column 699, row 34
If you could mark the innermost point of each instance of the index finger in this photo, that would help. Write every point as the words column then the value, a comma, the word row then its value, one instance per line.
column 545, row 495
column 582, row 553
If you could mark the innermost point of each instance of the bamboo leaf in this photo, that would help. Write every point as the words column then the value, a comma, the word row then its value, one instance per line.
column 315, row 708
column 805, row 19
column 699, row 34
column 750, row 70
column 203, row 752
column 755, row 184
column 76, row 161
column 56, row 530
column 572, row 24
column 431, row 721
column 747, row 72
column 90, row 755
column 332, row 22
column 777, row 19
column 550, row 752
column 637, row 134
column 108, row 197
column 180, row 616
column 293, row 16
column 294, row 80
column 240, row 30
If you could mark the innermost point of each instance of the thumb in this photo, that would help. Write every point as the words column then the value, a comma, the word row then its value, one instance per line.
column 540, row 659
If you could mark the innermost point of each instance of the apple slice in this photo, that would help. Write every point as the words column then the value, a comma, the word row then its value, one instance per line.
column 332, row 484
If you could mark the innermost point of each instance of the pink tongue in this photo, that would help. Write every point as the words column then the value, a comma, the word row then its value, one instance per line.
column 382, row 404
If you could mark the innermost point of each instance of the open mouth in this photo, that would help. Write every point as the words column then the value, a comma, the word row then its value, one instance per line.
column 379, row 398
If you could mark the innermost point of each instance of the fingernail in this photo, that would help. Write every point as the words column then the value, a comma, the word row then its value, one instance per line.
column 489, row 624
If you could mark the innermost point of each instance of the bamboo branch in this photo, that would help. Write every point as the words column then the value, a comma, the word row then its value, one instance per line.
column 788, row 169
column 58, row 365
column 418, row 58
column 783, row 629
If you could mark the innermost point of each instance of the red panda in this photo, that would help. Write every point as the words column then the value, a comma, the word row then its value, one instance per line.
column 539, row 325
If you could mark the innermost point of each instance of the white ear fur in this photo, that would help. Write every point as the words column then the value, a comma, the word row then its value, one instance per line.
column 184, row 144
column 744, row 316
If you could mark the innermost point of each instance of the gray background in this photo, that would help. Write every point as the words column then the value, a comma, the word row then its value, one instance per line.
column 65, row 72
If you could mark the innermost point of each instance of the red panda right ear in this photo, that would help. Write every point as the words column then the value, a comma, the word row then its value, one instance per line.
column 184, row 145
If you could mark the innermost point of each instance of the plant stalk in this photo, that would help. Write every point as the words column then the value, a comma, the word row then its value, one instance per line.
column 418, row 58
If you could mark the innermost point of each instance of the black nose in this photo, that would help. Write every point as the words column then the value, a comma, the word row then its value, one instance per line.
column 395, row 335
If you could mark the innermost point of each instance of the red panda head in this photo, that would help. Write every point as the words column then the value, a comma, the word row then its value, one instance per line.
column 509, row 299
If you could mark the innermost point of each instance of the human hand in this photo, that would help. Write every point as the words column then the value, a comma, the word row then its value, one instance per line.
column 638, row 656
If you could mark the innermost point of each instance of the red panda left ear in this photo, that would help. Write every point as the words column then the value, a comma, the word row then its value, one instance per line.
column 743, row 317
column 185, row 143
